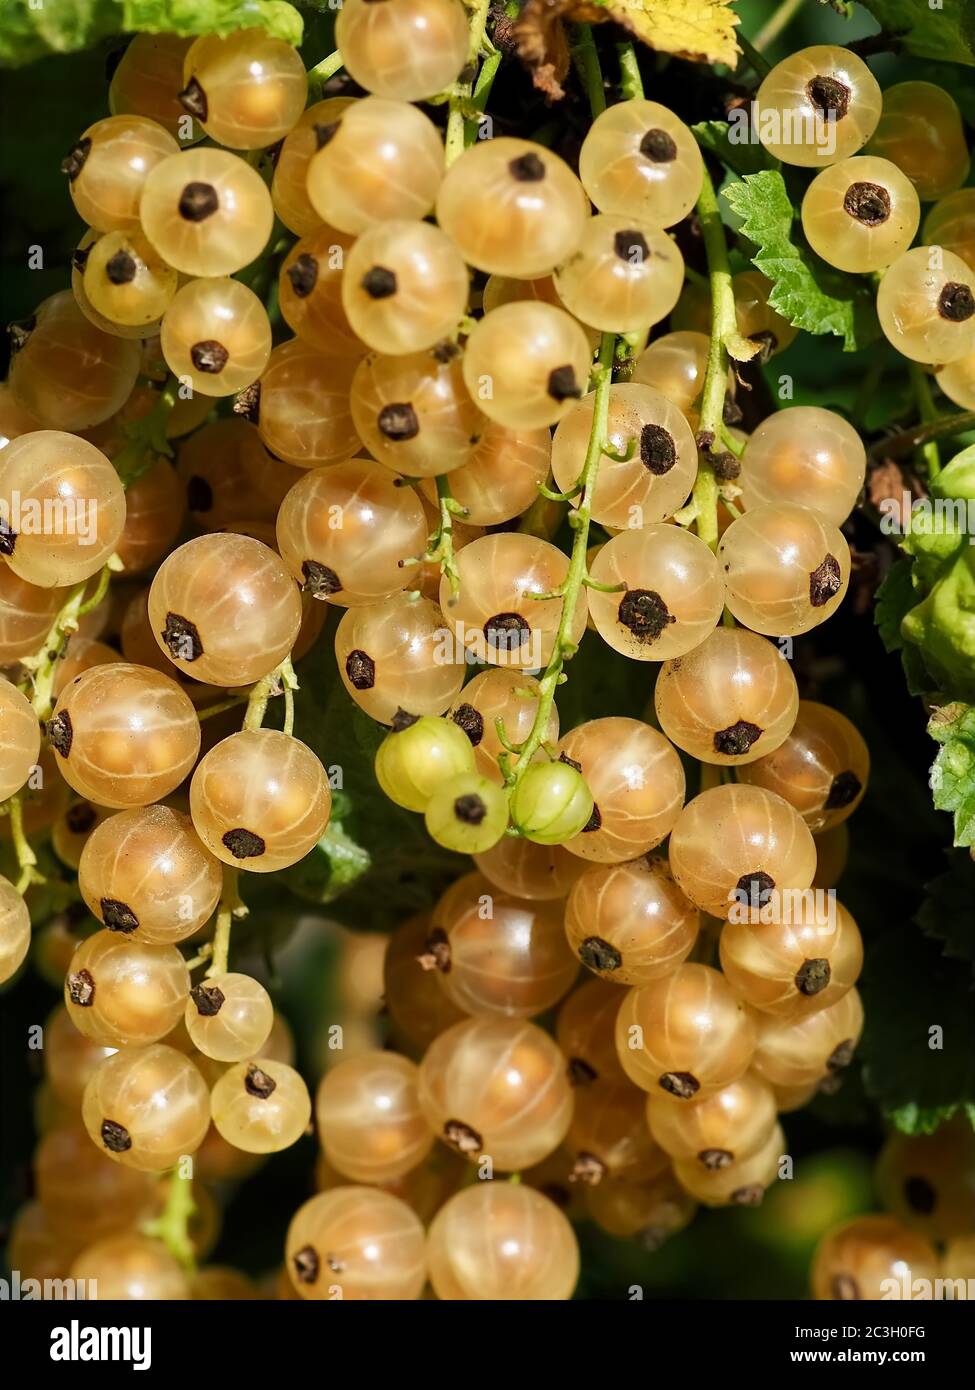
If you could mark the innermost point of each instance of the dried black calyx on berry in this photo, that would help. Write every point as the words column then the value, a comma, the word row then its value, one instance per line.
column 469, row 719
column 750, row 1196
column 403, row 719
column 436, row 952
column 588, row 1169
column 115, row 1137
column 631, row 247
column 444, row 352
column 319, row 580
column 81, row 817
column 81, row 989
column 8, row 538
column 462, row 1137
column 121, row 268
column 570, row 762
column 506, row 631
column 209, row 999
column 118, row 916
column 829, row 95
column 595, row 821
column 715, row 1159
column 306, row 1264
column 562, row 384
column 845, row 1289
column 194, row 100
column 79, row 259
column 527, row 168
column 243, row 844
column 658, row 146
column 325, row 131
column 956, row 302
column 19, row 331
column 841, row 1056
column 379, row 282
column 303, row 275
column 755, row 889
column 920, row 1196
column 658, row 452
column 60, row 733
column 209, row 356
column 845, row 788
column 868, row 203
column 581, row 1073
column 736, row 739
column 644, row 613
column 360, row 669
column 199, row 494
column 825, row 582
column 76, row 158
column 599, row 954
column 470, row 809
column 813, row 976
column 398, row 422
column 197, row 202
column 725, row 466
column 182, row 638
column 682, row 1084
column 258, row 1083
column 247, row 403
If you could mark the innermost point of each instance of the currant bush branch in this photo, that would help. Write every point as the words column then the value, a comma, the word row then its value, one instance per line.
column 171, row 1226
column 904, row 442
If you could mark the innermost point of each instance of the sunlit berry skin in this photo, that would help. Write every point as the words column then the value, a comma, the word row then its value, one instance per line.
column 792, row 962
column 356, row 1243
column 801, row 1052
column 125, row 280
column 512, row 697
column 155, row 507
column 216, row 336
column 62, row 508
column 928, row 1180
column 80, row 654
column 951, row 224
column 247, row 88
column 732, row 845
column 650, row 1211
column 417, row 1006
column 496, row 614
column 756, row 318
column 721, row 1129
column 512, row 207
column 289, row 189
column 119, row 991
column 609, row 1139
column 369, row 1118
column 860, row 214
column 124, row 735
column 957, row 381
column 640, row 160
column 260, row 1106
column 260, row 800
column 630, row 923
column 674, row 365
column 128, row 1267
column 498, row 956
column 821, row 769
column 672, row 598
column 926, row 305
column 396, row 656
column 742, row 1183
column 585, row 1028
column 806, row 456
column 786, row 568
column 624, row 274
column 818, row 106
column 502, row 1241
column 224, row 609
column 497, row 1087
column 407, row 49
column 310, row 292
column 526, row 363
column 145, row 873
column 14, row 930
column 145, row 1106
column 539, row 873
column 108, row 167
column 684, row 1036
column 657, row 477
column 301, row 405
column 20, row 739
column 870, row 1256
column 404, row 286
column 69, row 374
column 147, row 82
column 501, row 479
column 206, row 212
column 921, row 131
column 376, row 161
column 144, row 279
column 637, row 784
column 730, row 700
column 413, row 412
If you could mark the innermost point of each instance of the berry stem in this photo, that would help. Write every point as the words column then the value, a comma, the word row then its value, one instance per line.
column 229, row 907
column 631, row 83
column 202, row 956
column 904, row 442
column 320, row 74
column 921, row 387
column 281, row 678
column 565, row 647
column 587, row 63
column 41, row 666
column 222, row 706
column 753, row 58
column 26, row 858
column 461, row 129
column 776, row 23
column 171, row 1226
column 440, row 546
column 147, row 437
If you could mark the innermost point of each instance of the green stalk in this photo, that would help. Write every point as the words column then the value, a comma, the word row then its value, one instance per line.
column 171, row 1226
column 921, row 386
column 631, row 83
column 461, row 130
column 320, row 73
column 587, row 62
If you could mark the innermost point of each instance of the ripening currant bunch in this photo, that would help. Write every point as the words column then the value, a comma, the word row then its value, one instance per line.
column 358, row 350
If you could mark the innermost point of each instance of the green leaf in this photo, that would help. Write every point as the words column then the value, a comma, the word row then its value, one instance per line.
column 747, row 157
column 915, row 1119
column 806, row 291
column 895, row 598
column 945, row 32
column 28, row 32
column 953, row 772
column 948, row 911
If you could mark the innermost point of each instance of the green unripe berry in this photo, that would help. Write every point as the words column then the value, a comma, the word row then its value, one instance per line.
column 551, row 803
column 413, row 761
column 468, row 814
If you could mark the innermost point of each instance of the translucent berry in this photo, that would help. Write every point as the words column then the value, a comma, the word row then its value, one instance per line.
column 206, row 212
column 122, row 991
column 108, row 167
column 405, row 49
column 369, row 1117
column 630, row 923
column 860, row 214
column 260, row 1106
column 871, row 1257
column 817, row 106
column 821, row 769
column 229, row 1017
column 404, row 286
column 624, row 275
column 216, row 336
column 801, row 1052
column 641, row 160
column 413, row 411
column 742, row 1183
column 926, row 305
column 793, row 961
column 247, row 89
column 551, row 803
column 808, row 456
column 526, row 363
column 417, row 757
column 356, row 1243
column 718, row 1131
column 921, row 131
column 395, row 658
